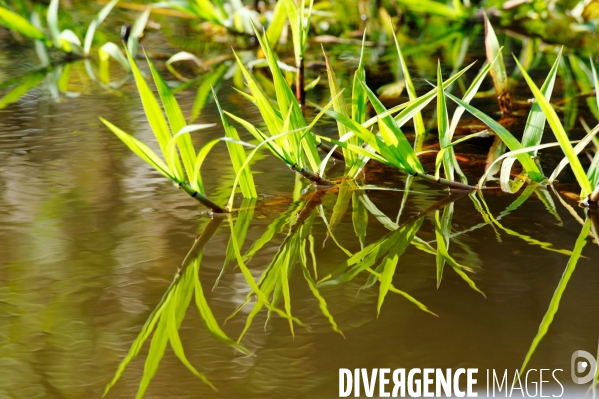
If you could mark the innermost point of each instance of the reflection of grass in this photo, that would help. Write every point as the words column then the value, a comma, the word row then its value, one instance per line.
column 559, row 291
column 165, row 320
column 271, row 291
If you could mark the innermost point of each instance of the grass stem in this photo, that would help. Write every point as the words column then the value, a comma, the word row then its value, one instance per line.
column 444, row 182
column 594, row 197
column 207, row 202
column 314, row 177
column 327, row 148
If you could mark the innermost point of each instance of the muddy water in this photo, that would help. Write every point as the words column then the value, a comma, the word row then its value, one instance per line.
column 92, row 238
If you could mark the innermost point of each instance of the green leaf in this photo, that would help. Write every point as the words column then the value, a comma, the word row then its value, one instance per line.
column 507, row 137
column 340, row 107
column 142, row 150
column 394, row 137
column 210, row 83
column 277, row 23
column 176, row 121
column 137, row 30
column 52, row 20
column 206, row 314
column 419, row 128
column 535, row 124
column 433, row 7
column 155, row 118
column 238, row 157
column 29, row 82
column 560, row 135
column 443, row 126
column 91, row 30
column 20, row 25
column 498, row 72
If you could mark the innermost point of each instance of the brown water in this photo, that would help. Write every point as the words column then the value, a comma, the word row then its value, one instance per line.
column 92, row 238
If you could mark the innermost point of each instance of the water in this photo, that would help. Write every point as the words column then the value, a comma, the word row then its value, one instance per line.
column 92, row 239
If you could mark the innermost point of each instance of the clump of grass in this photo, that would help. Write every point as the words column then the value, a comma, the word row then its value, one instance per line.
column 289, row 136
column 64, row 40
column 181, row 164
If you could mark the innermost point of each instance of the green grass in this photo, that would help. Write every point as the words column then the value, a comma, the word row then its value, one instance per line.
column 180, row 163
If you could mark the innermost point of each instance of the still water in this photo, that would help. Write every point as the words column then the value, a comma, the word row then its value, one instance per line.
column 92, row 239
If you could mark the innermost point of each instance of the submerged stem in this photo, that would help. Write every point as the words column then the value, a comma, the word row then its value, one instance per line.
column 314, row 177
column 445, row 182
column 207, row 202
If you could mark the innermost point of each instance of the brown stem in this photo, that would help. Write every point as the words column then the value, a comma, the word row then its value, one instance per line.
column 327, row 148
column 207, row 202
column 200, row 243
column 300, row 93
column 314, row 177
column 306, row 211
column 594, row 215
column 594, row 197
column 445, row 182
column 442, row 203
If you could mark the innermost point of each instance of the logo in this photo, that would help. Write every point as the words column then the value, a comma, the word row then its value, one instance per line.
column 580, row 366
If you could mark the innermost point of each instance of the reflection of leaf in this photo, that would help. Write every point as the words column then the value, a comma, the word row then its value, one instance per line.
column 244, row 218
column 390, row 248
column 559, row 291
column 274, row 280
column 442, row 232
column 28, row 83
column 341, row 205
column 532, row 241
column 168, row 315
column 398, row 239
column 546, row 199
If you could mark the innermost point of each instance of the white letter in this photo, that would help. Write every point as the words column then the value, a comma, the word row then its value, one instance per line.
column 399, row 382
column 357, row 383
column 444, row 382
column 411, row 382
column 426, row 381
column 526, row 384
column 369, row 387
column 344, row 388
column 471, row 382
column 382, row 382
column 560, row 384
column 503, row 381
column 541, row 384
column 517, row 378
column 456, row 383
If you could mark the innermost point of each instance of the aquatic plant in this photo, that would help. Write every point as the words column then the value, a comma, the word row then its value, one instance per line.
column 289, row 136
column 64, row 40
column 229, row 14
column 183, row 166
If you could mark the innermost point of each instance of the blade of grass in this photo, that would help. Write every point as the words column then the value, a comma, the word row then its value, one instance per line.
column 19, row 24
column 91, row 30
column 560, row 134
column 559, row 291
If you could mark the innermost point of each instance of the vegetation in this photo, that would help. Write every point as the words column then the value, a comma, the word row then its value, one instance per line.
column 369, row 132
